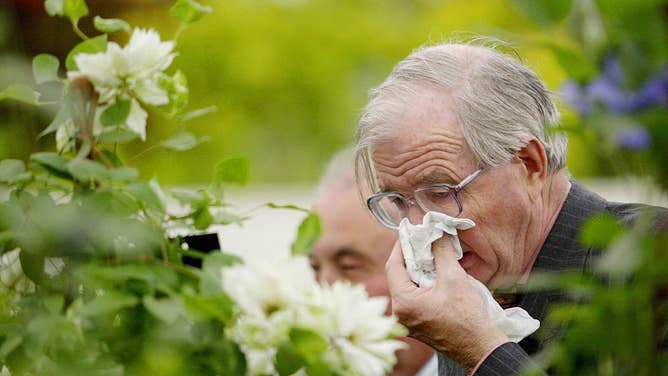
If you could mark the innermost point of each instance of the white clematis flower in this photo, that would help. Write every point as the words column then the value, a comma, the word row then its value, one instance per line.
column 272, row 298
column 358, row 330
column 268, row 296
column 261, row 288
column 129, row 72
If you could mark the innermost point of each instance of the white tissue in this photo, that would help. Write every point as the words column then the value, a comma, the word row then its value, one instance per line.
column 416, row 242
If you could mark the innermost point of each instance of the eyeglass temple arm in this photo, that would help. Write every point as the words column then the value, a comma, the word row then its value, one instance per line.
column 467, row 180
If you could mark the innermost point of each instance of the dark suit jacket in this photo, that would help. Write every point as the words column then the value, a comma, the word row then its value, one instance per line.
column 560, row 252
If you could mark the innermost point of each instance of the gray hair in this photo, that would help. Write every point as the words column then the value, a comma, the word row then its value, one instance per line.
column 339, row 171
column 500, row 104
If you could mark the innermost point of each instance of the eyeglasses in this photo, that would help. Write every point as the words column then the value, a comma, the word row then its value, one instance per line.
column 391, row 207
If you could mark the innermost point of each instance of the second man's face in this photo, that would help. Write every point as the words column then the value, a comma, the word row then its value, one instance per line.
column 353, row 247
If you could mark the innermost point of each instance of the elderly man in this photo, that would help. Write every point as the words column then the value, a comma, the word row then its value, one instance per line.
column 355, row 248
column 466, row 130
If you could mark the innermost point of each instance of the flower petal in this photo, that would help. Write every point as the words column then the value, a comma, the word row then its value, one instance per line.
column 136, row 120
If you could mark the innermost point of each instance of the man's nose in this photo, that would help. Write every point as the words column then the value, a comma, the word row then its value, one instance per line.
column 415, row 213
column 326, row 276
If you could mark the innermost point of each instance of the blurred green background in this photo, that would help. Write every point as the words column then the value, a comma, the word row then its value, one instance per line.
column 288, row 77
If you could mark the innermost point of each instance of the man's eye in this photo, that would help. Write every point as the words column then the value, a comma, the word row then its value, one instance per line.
column 437, row 195
column 350, row 267
column 397, row 202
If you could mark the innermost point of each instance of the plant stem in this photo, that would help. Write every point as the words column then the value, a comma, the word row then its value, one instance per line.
column 142, row 153
column 77, row 31
column 179, row 31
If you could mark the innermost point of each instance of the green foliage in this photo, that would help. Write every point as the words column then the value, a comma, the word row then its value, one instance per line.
column 10, row 170
column 233, row 170
column 545, row 12
column 74, row 10
column 92, row 283
column 45, row 68
column 600, row 231
column 93, row 45
column 188, row 10
column 616, row 320
column 21, row 93
column 110, row 25
column 116, row 113
column 183, row 141
column 307, row 234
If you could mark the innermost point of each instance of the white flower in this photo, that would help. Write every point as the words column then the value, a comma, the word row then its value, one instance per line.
column 358, row 330
column 274, row 297
column 129, row 72
column 11, row 274
column 262, row 288
column 133, row 69
column 268, row 296
column 65, row 134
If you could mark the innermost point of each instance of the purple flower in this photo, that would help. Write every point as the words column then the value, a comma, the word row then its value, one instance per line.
column 612, row 70
column 573, row 94
column 653, row 93
column 606, row 91
column 634, row 138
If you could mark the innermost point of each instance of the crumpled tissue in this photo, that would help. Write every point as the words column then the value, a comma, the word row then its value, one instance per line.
column 416, row 242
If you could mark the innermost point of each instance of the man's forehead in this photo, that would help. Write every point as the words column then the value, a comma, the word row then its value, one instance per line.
column 436, row 176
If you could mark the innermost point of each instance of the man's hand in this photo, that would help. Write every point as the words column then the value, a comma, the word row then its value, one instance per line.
column 451, row 315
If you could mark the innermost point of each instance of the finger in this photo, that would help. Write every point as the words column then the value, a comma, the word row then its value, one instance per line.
column 397, row 275
column 445, row 258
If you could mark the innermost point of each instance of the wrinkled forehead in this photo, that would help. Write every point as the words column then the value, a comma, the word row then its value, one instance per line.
column 423, row 145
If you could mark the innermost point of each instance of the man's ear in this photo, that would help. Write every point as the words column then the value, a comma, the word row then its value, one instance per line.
column 534, row 160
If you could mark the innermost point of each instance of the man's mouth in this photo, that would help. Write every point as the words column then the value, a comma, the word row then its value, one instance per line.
column 466, row 259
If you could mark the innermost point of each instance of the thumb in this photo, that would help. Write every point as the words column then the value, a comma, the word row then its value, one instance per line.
column 395, row 270
column 445, row 258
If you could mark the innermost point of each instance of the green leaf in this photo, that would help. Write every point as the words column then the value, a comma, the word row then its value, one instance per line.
column 110, row 25
column 232, row 170
column 123, row 174
column 212, row 265
column 202, row 308
column 11, row 169
column 197, row 113
column 54, row 303
column 110, row 302
column 197, row 199
column 32, row 265
column 289, row 206
column 116, row 134
column 10, row 344
column 167, row 310
column 307, row 234
column 545, row 12
column 75, row 9
column 54, row 7
column 225, row 218
column 188, row 10
column 182, row 141
column 308, row 344
column 107, row 276
column 52, row 162
column 288, row 361
column 143, row 193
column 45, row 68
column 116, row 114
column 202, row 219
column 90, row 46
column 61, row 118
column 177, row 90
column 21, row 93
column 600, row 230
column 86, row 170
